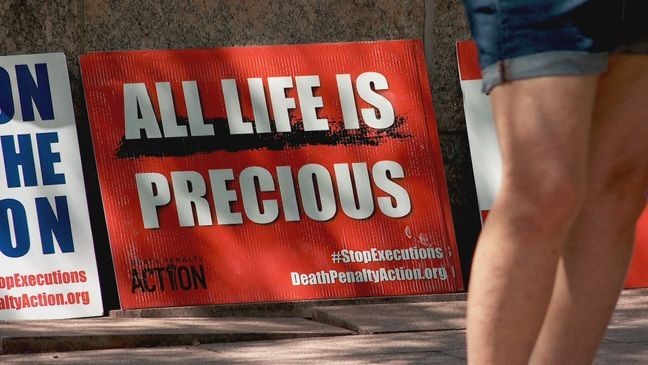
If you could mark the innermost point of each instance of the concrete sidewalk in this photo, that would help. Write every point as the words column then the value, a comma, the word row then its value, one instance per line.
column 399, row 333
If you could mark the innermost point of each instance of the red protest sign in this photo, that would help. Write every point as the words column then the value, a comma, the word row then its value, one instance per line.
column 270, row 173
column 638, row 272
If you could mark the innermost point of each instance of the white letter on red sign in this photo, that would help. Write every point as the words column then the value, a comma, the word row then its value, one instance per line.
column 347, row 100
column 315, row 178
column 362, row 185
column 136, row 98
column 309, row 103
column 259, row 106
column 385, row 109
column 288, row 194
column 233, row 109
column 223, row 197
column 167, row 111
column 250, row 198
column 383, row 172
column 189, row 191
column 280, row 103
column 147, row 185
column 197, row 124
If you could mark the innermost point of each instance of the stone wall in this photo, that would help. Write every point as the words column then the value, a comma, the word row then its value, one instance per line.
column 77, row 27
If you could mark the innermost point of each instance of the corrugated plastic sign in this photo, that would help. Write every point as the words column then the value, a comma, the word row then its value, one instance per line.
column 273, row 173
column 487, row 164
column 47, row 262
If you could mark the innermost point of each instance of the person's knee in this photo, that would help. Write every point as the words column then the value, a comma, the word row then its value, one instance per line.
column 547, row 202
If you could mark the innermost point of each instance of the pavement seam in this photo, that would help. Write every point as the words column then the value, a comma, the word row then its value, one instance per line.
column 321, row 316
column 628, row 342
column 375, row 353
column 346, row 357
column 453, row 355
column 611, row 340
column 44, row 344
column 406, row 352
column 413, row 331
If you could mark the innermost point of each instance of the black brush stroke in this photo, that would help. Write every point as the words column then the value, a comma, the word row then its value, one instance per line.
column 274, row 141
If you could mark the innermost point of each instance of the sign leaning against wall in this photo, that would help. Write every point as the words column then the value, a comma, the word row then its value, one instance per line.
column 274, row 173
column 47, row 262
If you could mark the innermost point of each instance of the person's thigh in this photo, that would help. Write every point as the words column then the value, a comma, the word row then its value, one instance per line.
column 543, row 126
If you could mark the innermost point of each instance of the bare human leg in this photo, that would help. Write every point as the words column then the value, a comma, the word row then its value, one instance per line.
column 543, row 129
column 593, row 266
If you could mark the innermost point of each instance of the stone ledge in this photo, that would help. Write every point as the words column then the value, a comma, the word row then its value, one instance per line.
column 302, row 309
column 111, row 333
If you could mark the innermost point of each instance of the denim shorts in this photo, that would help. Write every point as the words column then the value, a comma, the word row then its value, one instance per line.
column 520, row 39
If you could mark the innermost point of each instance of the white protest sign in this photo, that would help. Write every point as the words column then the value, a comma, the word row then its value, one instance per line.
column 47, row 262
